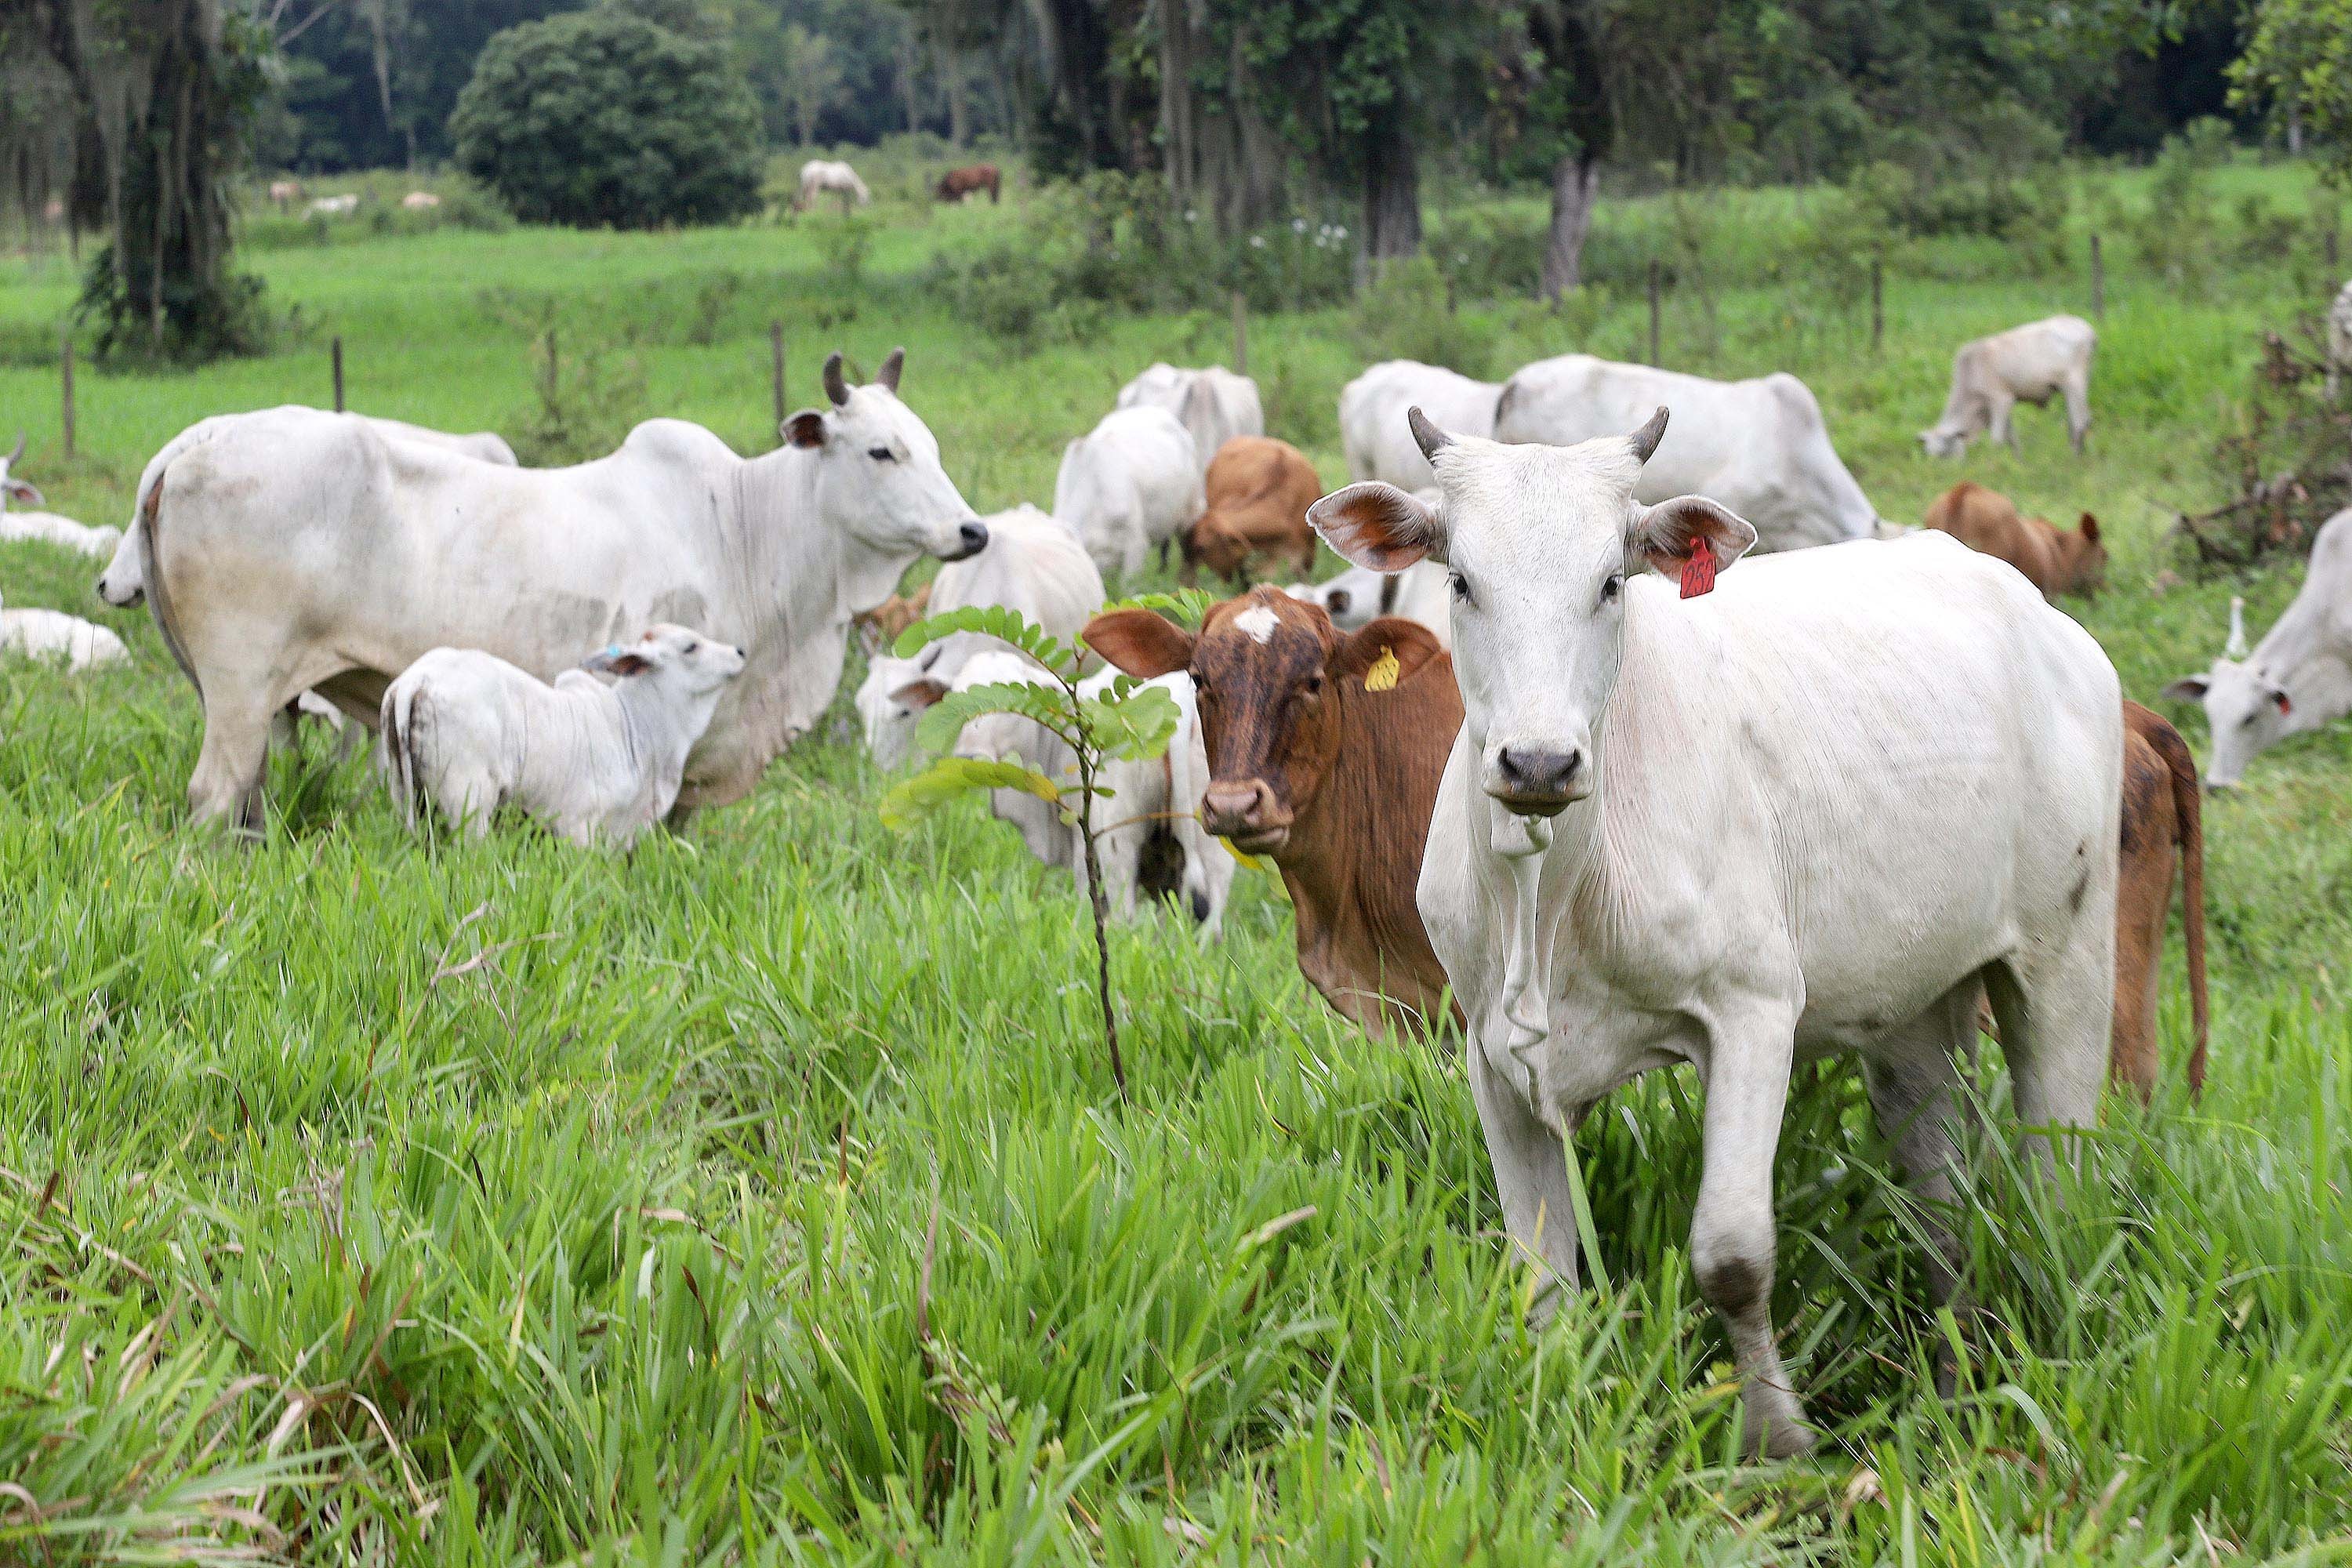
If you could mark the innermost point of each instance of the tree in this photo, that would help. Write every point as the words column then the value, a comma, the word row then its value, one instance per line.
column 808, row 79
column 2298, row 63
column 603, row 118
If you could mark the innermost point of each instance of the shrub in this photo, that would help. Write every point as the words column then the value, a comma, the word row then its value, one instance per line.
column 1490, row 252
column 601, row 118
column 1405, row 314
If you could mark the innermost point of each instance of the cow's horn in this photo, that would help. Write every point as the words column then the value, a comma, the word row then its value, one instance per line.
column 1645, row 441
column 2237, row 644
column 835, row 387
column 1431, row 439
column 20, row 447
column 892, row 363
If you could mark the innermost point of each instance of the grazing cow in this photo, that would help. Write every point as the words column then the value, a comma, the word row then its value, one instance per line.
column 1323, row 753
column 1372, row 417
column 1148, row 840
column 1214, row 406
column 303, row 550
column 1722, row 833
column 285, row 191
column 2031, row 363
column 2162, row 825
column 1130, row 483
column 467, row 732
column 46, row 526
column 819, row 175
column 1758, row 447
column 420, row 201
column 2054, row 560
column 958, row 183
column 1257, row 493
column 2340, row 340
column 2299, row 676
column 124, row 582
column 53, row 634
column 335, row 206
column 1032, row 564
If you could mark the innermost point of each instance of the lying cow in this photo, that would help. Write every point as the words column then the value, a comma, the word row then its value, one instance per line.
column 957, row 184
column 263, row 591
column 1032, row 564
column 1130, row 483
column 335, row 206
column 1214, row 406
column 2340, row 340
column 420, row 202
column 2031, row 363
column 47, row 527
column 2299, row 678
column 1758, row 447
column 468, row 733
column 1148, row 840
column 1256, row 496
column 1654, row 844
column 1323, row 754
column 2054, row 560
column 54, row 635
column 1372, row 417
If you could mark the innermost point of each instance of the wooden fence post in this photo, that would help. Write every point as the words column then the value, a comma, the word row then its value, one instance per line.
column 1241, row 334
column 776, row 373
column 1877, row 303
column 335, row 352
column 1653, row 309
column 2098, row 281
column 66, row 388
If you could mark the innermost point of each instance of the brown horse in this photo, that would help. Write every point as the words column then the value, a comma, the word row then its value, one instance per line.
column 958, row 183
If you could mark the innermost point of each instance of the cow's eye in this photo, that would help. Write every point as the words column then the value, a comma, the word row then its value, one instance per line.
column 1612, row 588
column 1461, row 586
column 882, row 455
column 1312, row 686
column 693, row 648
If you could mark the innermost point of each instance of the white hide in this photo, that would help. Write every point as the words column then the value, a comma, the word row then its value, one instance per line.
column 2299, row 676
column 1131, row 482
column 468, row 734
column 2031, row 363
column 1760, row 446
column 1372, row 417
column 1356, row 598
column 822, row 176
column 305, row 551
column 1032, row 564
column 2339, row 340
column 1810, row 812
column 50, row 635
column 19, row 521
column 335, row 206
column 1214, row 404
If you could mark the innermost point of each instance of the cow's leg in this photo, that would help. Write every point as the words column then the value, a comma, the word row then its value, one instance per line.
column 2056, row 1022
column 1913, row 1073
column 2078, row 413
column 2003, row 428
column 226, row 788
column 1530, row 1160
column 2142, row 902
column 1732, row 1243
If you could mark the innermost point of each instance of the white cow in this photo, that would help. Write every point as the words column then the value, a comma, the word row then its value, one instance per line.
column 1760, row 446
column 1356, row 598
column 819, row 175
column 1214, row 404
column 1821, row 808
column 467, row 732
column 1032, row 564
column 124, row 582
column 1372, row 417
column 2031, row 363
column 44, row 526
column 53, row 634
column 2299, row 678
column 335, row 206
column 306, row 551
column 1132, row 482
column 1153, row 800
column 420, row 201
column 2340, row 340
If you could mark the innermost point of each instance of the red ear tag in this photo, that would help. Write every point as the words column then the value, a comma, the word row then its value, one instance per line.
column 2286, row 707
column 1698, row 569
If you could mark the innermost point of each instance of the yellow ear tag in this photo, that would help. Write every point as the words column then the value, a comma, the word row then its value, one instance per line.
column 1383, row 676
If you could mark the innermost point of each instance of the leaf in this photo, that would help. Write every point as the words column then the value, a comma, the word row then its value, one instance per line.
column 936, row 731
column 1185, row 607
column 995, row 621
column 1133, row 727
column 913, row 799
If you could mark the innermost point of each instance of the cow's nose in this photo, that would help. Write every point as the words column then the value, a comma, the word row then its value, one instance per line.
column 1337, row 603
column 1537, row 774
column 973, row 537
column 1232, row 809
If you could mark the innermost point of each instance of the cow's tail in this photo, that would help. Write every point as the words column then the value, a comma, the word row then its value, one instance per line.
column 149, row 517
column 2188, row 810
column 397, row 742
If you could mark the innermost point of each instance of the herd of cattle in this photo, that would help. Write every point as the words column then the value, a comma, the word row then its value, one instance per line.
column 1539, row 760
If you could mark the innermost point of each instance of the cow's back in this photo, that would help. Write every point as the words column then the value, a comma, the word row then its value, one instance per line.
column 1372, row 429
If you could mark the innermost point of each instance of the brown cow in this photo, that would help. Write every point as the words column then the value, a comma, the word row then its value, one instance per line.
column 1258, row 493
column 2161, row 814
column 1325, row 751
column 2052, row 559
column 958, row 183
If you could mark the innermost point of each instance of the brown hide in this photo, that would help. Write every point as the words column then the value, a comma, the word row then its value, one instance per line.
column 958, row 183
column 2054, row 560
column 2161, row 815
column 1258, row 493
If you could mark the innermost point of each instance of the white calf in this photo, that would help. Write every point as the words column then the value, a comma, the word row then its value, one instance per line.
column 44, row 526
column 2031, row 363
column 53, row 634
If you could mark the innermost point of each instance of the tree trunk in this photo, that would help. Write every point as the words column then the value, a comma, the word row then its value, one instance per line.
column 951, row 69
column 2294, row 126
column 1391, row 191
column 1575, row 183
column 906, row 84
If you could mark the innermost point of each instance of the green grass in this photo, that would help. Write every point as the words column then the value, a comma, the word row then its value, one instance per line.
column 369, row 1201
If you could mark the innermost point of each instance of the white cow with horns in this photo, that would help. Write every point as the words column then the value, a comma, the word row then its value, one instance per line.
column 304, row 551
column 1720, row 830
column 23, row 523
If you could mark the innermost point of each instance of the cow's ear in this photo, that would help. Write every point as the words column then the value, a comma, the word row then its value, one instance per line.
column 629, row 664
column 1378, row 526
column 1383, row 653
column 923, row 693
column 1663, row 536
column 805, row 429
column 19, row 491
column 1140, row 643
column 2090, row 527
column 2188, row 688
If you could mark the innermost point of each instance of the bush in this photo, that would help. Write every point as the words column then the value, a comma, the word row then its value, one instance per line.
column 1491, row 252
column 1405, row 314
column 603, row 118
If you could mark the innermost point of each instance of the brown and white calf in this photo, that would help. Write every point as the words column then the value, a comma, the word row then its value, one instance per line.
column 2054, row 560
column 1325, row 749
column 1258, row 491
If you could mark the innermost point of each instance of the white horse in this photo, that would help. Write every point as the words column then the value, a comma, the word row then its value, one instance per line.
column 819, row 175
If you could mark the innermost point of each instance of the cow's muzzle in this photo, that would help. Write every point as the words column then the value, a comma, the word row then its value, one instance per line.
column 971, row 538
column 1534, row 782
column 1246, row 813
column 125, row 601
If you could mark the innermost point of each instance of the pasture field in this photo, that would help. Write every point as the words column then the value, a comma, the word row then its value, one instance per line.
column 763, row 1197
